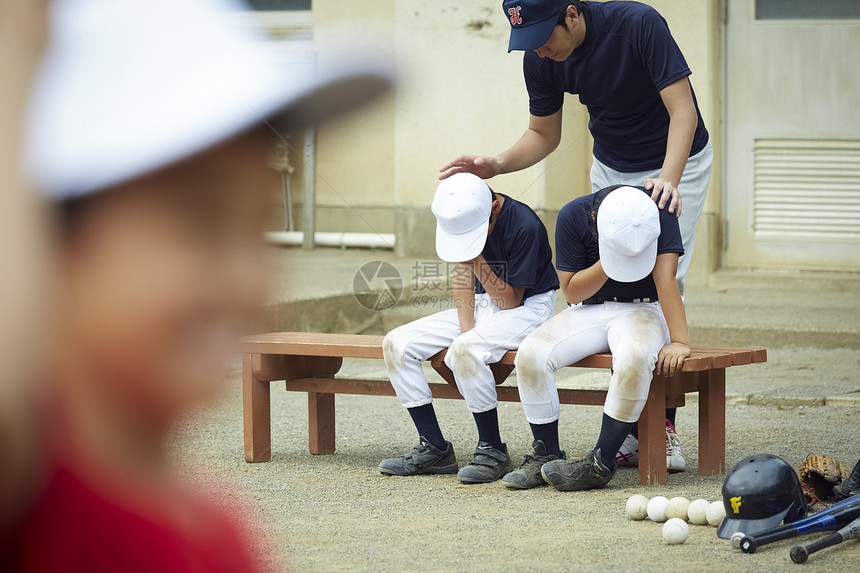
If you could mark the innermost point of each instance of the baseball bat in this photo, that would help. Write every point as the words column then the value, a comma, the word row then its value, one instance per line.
column 738, row 536
column 799, row 553
column 830, row 519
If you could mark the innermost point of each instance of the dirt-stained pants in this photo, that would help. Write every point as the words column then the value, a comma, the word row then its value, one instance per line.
column 496, row 331
column 633, row 332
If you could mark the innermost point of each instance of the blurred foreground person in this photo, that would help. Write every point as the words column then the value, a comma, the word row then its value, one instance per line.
column 145, row 129
column 24, row 296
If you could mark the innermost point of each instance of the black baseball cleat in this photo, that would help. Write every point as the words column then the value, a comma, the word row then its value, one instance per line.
column 528, row 474
column 584, row 473
column 488, row 464
column 850, row 486
column 424, row 459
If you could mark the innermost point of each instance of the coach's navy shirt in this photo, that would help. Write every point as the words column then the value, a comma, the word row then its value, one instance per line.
column 518, row 250
column 628, row 56
column 577, row 248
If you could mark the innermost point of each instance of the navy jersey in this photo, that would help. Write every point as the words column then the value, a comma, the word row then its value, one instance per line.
column 577, row 248
column 518, row 250
column 628, row 56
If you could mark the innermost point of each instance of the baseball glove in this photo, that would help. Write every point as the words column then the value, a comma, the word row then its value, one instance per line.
column 818, row 474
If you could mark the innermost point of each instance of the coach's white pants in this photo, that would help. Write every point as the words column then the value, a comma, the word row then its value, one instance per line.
column 496, row 331
column 633, row 332
column 693, row 189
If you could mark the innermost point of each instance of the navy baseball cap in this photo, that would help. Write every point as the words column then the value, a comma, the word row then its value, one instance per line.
column 532, row 21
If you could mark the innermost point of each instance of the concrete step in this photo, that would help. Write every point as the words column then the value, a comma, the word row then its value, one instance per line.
column 718, row 319
column 746, row 308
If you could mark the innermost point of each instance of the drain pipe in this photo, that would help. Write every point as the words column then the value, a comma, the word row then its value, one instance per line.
column 308, row 237
column 309, row 188
column 343, row 240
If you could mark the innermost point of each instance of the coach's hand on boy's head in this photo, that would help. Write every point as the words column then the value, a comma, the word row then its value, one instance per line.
column 664, row 190
column 671, row 358
column 483, row 167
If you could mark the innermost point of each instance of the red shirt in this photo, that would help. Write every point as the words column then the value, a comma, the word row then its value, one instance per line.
column 77, row 526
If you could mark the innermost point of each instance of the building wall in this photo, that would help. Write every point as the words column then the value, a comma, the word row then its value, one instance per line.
column 356, row 156
column 459, row 91
column 696, row 26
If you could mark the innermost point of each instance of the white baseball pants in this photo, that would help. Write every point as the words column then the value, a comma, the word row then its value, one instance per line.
column 693, row 188
column 634, row 333
column 496, row 331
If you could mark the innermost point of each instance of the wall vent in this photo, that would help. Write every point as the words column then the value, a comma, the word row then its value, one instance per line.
column 807, row 188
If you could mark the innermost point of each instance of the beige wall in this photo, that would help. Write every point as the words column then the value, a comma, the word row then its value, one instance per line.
column 355, row 156
column 695, row 25
column 459, row 92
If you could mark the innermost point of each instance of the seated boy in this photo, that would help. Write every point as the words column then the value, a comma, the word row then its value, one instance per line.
column 617, row 254
column 504, row 287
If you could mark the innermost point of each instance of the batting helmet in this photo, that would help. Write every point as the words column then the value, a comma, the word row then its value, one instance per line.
column 759, row 493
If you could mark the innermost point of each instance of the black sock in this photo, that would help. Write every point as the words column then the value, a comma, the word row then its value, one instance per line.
column 670, row 415
column 548, row 434
column 425, row 421
column 612, row 434
column 488, row 428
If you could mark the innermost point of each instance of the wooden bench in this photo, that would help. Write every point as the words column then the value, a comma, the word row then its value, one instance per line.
column 309, row 362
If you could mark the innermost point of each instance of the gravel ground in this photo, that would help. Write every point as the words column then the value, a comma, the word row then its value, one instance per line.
column 337, row 513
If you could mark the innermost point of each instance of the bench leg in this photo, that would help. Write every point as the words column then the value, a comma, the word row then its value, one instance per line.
column 321, row 436
column 652, row 435
column 256, row 414
column 712, row 422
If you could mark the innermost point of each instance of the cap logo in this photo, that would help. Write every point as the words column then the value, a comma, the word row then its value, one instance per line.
column 736, row 504
column 515, row 15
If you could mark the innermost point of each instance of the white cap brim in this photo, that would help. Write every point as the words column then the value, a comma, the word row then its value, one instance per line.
column 628, row 269
column 128, row 87
column 463, row 247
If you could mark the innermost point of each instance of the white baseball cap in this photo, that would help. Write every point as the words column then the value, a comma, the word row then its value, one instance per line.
column 127, row 87
column 628, row 225
column 462, row 206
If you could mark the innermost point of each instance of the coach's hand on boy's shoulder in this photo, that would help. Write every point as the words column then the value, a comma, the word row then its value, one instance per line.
column 665, row 191
column 671, row 358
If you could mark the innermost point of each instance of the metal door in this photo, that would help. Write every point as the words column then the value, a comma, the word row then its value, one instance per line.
column 792, row 136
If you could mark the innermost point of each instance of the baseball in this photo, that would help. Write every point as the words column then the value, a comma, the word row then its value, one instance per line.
column 698, row 512
column 677, row 507
column 657, row 509
column 637, row 507
column 676, row 531
column 736, row 539
column 715, row 513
